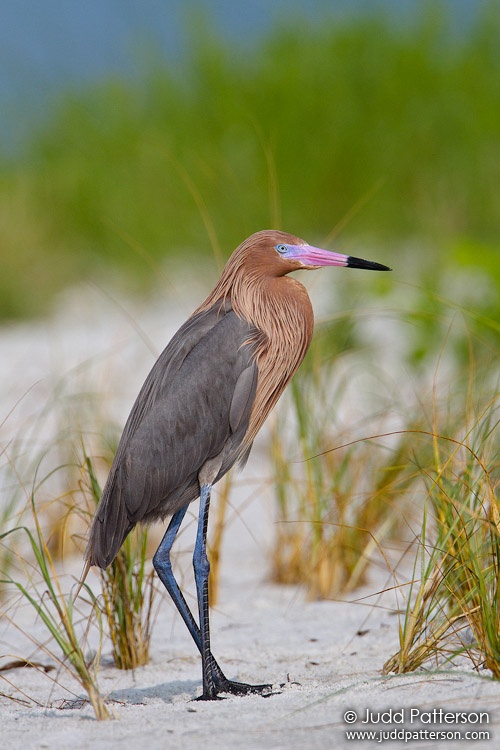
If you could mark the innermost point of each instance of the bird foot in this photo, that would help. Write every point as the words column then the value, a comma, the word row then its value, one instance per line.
column 209, row 697
column 231, row 687
column 242, row 688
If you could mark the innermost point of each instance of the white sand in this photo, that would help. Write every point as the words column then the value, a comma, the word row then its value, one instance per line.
column 329, row 653
column 261, row 633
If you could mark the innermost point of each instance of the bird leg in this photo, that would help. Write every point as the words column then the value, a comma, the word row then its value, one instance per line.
column 163, row 567
column 214, row 681
column 201, row 567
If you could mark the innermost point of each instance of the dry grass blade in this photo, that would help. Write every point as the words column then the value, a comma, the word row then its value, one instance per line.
column 454, row 607
column 128, row 594
column 56, row 610
column 216, row 537
column 333, row 504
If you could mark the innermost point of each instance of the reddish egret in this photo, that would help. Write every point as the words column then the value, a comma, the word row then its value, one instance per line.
column 201, row 407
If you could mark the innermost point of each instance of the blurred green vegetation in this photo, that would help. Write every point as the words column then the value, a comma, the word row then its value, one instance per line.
column 391, row 129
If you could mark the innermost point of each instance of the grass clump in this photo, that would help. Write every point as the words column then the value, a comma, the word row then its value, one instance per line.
column 453, row 607
column 57, row 609
column 42, row 540
column 334, row 518
column 128, row 589
column 128, row 592
column 335, row 506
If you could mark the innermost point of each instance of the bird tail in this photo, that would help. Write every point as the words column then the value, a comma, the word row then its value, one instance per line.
column 83, row 576
column 109, row 529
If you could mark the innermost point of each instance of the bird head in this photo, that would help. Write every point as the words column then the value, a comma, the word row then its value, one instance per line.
column 270, row 254
column 284, row 253
column 310, row 257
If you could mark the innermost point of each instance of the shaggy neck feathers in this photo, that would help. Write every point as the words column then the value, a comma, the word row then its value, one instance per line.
column 254, row 282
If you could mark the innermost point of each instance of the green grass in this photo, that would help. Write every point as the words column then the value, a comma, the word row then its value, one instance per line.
column 42, row 535
column 355, row 434
column 43, row 588
column 453, row 605
column 128, row 588
column 298, row 131
column 340, row 487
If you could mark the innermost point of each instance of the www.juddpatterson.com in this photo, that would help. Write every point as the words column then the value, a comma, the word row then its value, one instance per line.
column 413, row 719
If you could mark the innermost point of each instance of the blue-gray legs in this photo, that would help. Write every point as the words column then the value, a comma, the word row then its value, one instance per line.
column 163, row 567
column 201, row 567
column 214, row 680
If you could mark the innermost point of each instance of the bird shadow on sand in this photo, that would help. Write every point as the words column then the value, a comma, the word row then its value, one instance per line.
column 165, row 692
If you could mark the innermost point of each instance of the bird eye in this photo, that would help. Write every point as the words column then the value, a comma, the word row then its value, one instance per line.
column 281, row 249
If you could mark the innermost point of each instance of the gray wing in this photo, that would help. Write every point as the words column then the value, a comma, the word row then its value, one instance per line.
column 194, row 404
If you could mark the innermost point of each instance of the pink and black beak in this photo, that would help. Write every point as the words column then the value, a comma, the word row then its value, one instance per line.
column 315, row 257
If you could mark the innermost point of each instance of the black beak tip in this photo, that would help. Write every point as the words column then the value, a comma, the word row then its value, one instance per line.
column 353, row 262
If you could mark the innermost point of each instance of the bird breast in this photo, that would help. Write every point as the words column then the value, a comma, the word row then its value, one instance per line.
column 281, row 312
